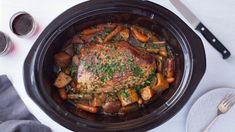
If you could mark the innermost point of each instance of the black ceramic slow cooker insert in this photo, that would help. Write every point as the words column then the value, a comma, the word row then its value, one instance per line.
column 187, row 46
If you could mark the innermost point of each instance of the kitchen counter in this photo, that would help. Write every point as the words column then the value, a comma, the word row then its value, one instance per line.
column 217, row 15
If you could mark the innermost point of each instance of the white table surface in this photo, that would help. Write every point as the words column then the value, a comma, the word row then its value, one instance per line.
column 217, row 15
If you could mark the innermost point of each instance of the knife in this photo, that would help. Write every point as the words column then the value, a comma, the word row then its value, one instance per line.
column 195, row 22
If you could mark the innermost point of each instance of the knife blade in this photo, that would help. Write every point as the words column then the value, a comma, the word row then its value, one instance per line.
column 199, row 26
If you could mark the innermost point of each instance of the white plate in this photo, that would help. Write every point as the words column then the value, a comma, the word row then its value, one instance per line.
column 205, row 109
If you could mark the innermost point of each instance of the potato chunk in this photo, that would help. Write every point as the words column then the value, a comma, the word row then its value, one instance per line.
column 62, row 80
column 162, row 83
column 128, row 96
column 62, row 59
column 146, row 93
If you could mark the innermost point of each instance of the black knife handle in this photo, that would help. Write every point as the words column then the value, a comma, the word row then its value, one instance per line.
column 213, row 40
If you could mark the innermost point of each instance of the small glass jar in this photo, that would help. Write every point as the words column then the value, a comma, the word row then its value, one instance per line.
column 22, row 24
column 5, row 44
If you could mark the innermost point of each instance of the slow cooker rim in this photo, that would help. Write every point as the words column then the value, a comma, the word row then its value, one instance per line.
column 62, row 27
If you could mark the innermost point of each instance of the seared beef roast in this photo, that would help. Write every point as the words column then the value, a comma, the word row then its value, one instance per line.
column 113, row 66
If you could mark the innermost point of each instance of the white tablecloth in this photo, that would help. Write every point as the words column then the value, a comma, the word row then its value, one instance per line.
column 217, row 15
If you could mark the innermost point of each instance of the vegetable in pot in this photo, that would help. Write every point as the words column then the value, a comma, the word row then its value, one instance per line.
column 159, row 62
column 69, row 50
column 98, row 100
column 152, row 50
column 87, row 108
column 153, row 37
column 75, row 60
column 113, row 33
column 62, row 80
column 125, row 33
column 139, row 34
column 162, row 83
column 62, row 59
column 146, row 93
column 62, row 93
column 128, row 96
column 170, row 68
column 91, row 31
column 111, row 106
column 77, row 40
column 163, row 52
column 170, row 79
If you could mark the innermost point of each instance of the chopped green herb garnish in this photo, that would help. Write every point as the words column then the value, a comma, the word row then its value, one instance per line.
column 81, row 95
column 82, row 61
column 112, row 50
column 91, row 94
column 107, row 95
column 122, row 64
column 130, row 59
column 73, row 71
column 98, row 57
column 110, row 73
column 136, row 70
column 138, row 88
column 105, row 33
column 102, row 79
column 147, row 82
column 124, row 93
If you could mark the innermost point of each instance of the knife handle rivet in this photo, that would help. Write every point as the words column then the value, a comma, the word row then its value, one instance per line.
column 225, row 51
column 213, row 40
column 202, row 28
